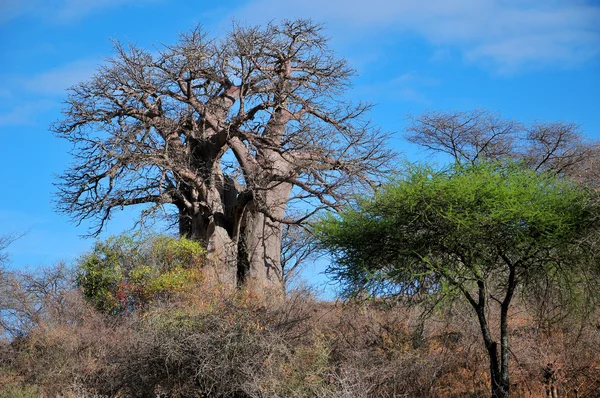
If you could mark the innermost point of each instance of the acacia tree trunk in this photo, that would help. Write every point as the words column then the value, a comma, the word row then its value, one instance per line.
column 499, row 379
column 499, row 375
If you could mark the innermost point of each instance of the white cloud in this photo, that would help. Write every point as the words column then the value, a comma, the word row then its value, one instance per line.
column 75, row 9
column 26, row 114
column 10, row 9
column 411, row 95
column 507, row 34
column 58, row 11
column 415, row 79
column 40, row 92
column 407, row 87
column 57, row 80
column 27, row 98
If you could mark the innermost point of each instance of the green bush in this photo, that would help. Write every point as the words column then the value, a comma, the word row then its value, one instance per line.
column 126, row 273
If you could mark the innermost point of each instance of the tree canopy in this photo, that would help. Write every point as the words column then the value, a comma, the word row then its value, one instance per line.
column 484, row 231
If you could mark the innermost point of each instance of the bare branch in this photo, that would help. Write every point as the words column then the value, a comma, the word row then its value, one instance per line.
column 479, row 135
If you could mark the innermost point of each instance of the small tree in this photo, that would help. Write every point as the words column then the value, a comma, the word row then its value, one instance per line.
column 5, row 242
column 298, row 247
column 483, row 232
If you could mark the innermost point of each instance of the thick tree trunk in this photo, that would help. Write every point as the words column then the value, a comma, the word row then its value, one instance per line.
column 209, row 220
column 260, row 255
column 221, row 266
column 222, row 259
column 261, row 272
column 243, row 252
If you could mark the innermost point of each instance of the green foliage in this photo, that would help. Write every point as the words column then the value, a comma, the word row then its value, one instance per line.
column 13, row 386
column 20, row 392
column 125, row 273
column 443, row 230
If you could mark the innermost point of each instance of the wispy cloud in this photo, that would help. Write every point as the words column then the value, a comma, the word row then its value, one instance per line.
column 57, row 80
column 26, row 98
column 414, row 78
column 26, row 114
column 75, row 9
column 407, row 87
column 509, row 35
column 58, row 11
column 10, row 9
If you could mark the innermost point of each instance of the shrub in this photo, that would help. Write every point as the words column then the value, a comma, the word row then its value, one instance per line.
column 126, row 273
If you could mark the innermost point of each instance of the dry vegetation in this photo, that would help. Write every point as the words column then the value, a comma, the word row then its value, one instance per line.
column 207, row 343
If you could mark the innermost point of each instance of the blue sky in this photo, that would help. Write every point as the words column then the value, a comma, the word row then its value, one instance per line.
column 527, row 59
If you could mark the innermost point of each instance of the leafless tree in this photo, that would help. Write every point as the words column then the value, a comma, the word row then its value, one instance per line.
column 5, row 241
column 6, row 283
column 466, row 136
column 228, row 135
column 561, row 147
column 298, row 246
column 29, row 299
column 480, row 134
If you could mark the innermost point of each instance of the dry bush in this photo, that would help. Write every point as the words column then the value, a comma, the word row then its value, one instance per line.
column 31, row 298
column 564, row 356
column 392, row 352
column 210, row 343
column 181, row 354
column 223, row 346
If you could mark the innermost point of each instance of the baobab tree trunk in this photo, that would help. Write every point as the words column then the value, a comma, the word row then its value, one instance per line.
column 221, row 265
column 260, row 269
column 243, row 250
column 259, row 255
column 209, row 219
column 222, row 259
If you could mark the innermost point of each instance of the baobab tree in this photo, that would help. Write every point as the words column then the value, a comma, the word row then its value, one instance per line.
column 229, row 135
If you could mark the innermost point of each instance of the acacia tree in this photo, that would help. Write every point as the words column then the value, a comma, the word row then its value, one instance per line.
column 483, row 232
column 227, row 134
